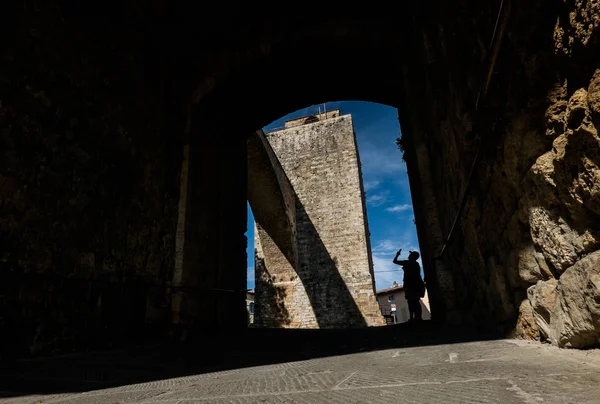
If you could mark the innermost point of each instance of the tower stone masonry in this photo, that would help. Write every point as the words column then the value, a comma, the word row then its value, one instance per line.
column 332, row 283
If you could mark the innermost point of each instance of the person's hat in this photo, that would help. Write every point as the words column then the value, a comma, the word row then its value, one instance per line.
column 414, row 253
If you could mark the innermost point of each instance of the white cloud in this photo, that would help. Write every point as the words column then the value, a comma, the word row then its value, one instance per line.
column 386, row 246
column 399, row 208
column 405, row 241
column 369, row 185
column 378, row 199
column 392, row 272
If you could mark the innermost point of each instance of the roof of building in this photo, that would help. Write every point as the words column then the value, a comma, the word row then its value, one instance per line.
column 389, row 290
column 250, row 291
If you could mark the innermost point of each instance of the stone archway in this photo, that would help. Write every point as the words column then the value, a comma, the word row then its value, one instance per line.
column 101, row 103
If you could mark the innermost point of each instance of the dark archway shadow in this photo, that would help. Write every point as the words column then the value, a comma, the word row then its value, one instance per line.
column 371, row 78
column 206, row 352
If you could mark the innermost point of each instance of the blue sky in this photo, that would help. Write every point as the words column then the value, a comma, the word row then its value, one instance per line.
column 389, row 205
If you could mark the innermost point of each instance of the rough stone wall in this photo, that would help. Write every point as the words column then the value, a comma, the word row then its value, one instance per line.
column 273, row 202
column 531, row 215
column 281, row 299
column 563, row 201
column 95, row 100
column 91, row 150
column 88, row 184
column 211, row 291
column 332, row 285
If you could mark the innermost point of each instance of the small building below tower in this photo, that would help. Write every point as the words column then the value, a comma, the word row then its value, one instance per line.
column 394, row 306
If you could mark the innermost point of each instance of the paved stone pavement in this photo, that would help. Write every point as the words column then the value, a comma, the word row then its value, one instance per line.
column 502, row 371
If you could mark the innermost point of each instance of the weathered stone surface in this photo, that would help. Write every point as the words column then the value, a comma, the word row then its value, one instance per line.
column 593, row 97
column 526, row 327
column 543, row 302
column 565, row 181
column 271, row 196
column 331, row 284
column 567, row 311
column 532, row 265
column 532, row 209
column 562, row 206
column 577, row 27
column 280, row 300
column 95, row 104
column 560, row 244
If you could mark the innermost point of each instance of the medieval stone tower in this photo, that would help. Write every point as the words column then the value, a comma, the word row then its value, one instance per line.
column 331, row 283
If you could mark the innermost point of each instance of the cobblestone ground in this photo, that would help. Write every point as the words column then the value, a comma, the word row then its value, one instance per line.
column 503, row 371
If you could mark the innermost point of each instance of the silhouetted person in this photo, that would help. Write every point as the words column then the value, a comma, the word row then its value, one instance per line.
column 414, row 287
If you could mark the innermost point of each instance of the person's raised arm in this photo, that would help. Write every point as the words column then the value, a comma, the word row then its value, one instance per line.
column 396, row 260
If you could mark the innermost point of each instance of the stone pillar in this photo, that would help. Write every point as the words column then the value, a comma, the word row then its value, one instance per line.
column 443, row 298
column 210, row 282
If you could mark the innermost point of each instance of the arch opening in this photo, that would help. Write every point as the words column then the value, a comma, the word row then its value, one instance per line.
column 278, row 81
column 382, row 194
column 96, row 114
